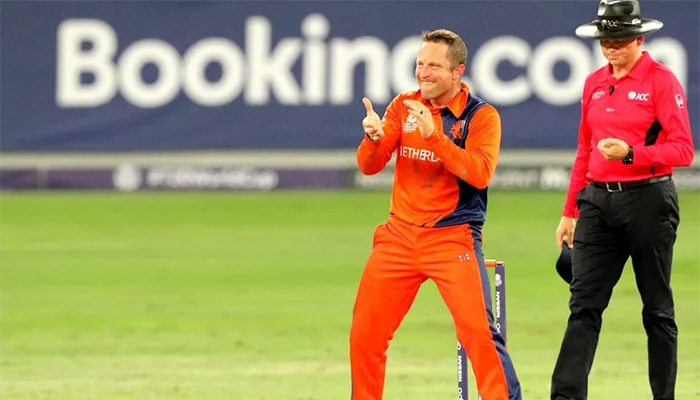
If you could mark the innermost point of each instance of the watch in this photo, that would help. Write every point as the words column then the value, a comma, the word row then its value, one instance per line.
column 629, row 158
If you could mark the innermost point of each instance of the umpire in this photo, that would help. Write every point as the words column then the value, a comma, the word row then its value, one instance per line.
column 622, row 200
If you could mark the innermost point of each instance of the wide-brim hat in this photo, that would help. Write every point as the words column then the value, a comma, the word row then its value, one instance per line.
column 618, row 19
column 564, row 265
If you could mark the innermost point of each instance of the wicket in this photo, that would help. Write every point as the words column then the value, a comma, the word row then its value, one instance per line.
column 499, row 310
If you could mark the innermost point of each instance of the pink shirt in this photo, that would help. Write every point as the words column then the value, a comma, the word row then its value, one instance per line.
column 647, row 109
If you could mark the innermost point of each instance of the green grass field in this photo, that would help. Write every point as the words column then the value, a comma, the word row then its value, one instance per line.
column 247, row 296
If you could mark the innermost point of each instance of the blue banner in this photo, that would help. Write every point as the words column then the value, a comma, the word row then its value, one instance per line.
column 175, row 75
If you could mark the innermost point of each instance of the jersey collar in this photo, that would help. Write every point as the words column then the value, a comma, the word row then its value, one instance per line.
column 456, row 105
column 638, row 72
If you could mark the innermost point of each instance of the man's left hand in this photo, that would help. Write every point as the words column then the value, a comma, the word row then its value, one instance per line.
column 613, row 149
column 422, row 114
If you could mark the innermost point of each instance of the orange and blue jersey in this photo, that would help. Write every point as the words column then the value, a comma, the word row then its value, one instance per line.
column 438, row 207
column 441, row 180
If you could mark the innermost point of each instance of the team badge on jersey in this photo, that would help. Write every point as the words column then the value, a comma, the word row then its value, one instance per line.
column 411, row 124
column 456, row 130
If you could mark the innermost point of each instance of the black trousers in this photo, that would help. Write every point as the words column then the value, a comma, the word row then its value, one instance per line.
column 640, row 223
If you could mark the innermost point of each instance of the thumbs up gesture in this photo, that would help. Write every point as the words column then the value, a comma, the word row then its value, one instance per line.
column 372, row 123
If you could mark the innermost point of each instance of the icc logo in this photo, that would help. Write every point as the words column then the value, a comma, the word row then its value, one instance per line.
column 638, row 96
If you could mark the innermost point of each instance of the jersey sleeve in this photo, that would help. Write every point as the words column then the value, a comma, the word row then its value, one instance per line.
column 476, row 162
column 372, row 156
column 579, row 172
column 677, row 150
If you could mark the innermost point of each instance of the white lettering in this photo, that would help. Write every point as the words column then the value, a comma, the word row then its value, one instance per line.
column 270, row 69
column 382, row 180
column 671, row 53
column 131, row 64
column 72, row 62
column 541, row 70
column 262, row 71
column 459, row 368
column 460, row 371
column 195, row 61
column 498, row 310
column 554, row 178
column 666, row 50
column 315, row 28
column 418, row 154
column 515, row 178
column 186, row 177
column 485, row 65
column 346, row 55
column 403, row 71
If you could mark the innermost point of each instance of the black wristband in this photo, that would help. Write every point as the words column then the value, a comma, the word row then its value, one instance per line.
column 629, row 158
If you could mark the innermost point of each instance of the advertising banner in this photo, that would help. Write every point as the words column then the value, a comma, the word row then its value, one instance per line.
column 132, row 178
column 116, row 76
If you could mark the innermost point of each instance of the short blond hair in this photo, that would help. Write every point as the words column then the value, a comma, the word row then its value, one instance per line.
column 456, row 49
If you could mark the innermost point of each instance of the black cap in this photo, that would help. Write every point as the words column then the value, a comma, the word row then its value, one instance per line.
column 618, row 19
column 563, row 264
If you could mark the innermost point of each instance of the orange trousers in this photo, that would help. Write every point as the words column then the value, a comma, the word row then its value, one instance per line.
column 403, row 257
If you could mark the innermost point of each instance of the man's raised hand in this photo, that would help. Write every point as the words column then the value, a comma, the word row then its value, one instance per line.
column 372, row 123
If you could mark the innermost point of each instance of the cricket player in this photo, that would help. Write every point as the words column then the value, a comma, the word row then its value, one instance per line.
column 447, row 143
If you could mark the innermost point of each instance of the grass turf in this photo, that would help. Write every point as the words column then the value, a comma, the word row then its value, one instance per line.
column 248, row 296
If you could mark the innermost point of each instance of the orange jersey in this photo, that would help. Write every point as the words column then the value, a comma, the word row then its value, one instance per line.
column 441, row 180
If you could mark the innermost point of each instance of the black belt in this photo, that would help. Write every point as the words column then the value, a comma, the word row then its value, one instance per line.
column 622, row 186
